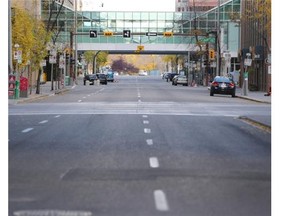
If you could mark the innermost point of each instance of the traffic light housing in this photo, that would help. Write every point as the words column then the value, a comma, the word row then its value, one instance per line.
column 211, row 54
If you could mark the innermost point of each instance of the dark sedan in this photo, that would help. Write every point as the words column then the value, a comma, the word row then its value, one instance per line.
column 102, row 78
column 222, row 85
column 90, row 77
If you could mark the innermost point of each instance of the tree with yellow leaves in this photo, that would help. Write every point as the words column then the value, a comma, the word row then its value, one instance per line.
column 31, row 36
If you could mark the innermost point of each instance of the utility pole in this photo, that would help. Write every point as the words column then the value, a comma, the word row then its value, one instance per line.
column 75, row 40
column 218, row 42
column 10, row 69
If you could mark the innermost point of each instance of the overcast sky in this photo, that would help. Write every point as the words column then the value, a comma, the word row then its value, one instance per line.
column 128, row 5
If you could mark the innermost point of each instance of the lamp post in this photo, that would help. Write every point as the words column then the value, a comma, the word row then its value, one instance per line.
column 247, row 63
column 17, row 57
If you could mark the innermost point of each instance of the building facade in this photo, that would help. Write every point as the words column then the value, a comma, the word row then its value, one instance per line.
column 256, row 41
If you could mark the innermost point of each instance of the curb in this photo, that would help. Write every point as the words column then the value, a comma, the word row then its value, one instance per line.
column 253, row 99
column 255, row 123
column 35, row 97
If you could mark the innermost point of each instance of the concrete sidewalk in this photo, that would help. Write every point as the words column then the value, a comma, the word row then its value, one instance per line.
column 45, row 91
column 258, row 96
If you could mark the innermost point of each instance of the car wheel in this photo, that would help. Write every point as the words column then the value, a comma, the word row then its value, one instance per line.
column 211, row 93
column 233, row 94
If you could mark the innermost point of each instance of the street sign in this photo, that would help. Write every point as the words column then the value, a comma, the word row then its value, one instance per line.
column 11, row 85
column 108, row 34
column 168, row 34
column 126, row 33
column 12, row 78
column 93, row 33
column 247, row 62
column 151, row 33
column 52, row 60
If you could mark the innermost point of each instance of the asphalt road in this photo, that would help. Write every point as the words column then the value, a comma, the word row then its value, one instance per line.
column 139, row 146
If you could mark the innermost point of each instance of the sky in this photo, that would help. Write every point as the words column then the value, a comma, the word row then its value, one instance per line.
column 128, row 5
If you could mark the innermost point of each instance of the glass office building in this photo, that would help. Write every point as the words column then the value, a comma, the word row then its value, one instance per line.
column 182, row 24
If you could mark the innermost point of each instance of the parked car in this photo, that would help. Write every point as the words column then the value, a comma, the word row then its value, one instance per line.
column 90, row 77
column 171, row 75
column 180, row 79
column 222, row 85
column 102, row 78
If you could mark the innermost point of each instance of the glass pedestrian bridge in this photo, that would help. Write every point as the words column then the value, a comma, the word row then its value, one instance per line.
column 147, row 32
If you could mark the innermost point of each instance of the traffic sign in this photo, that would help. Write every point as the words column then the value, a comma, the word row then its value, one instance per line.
column 151, row 33
column 108, row 34
column 12, row 78
column 11, row 85
column 168, row 34
column 93, row 33
column 52, row 60
column 126, row 33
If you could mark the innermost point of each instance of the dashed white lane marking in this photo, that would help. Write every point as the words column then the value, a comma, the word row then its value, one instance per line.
column 43, row 122
column 161, row 202
column 27, row 130
column 145, row 122
column 149, row 142
column 79, row 101
column 144, row 116
column 57, row 116
column 154, row 163
column 147, row 130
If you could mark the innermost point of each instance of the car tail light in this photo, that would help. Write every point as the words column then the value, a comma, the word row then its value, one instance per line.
column 231, row 85
column 215, row 83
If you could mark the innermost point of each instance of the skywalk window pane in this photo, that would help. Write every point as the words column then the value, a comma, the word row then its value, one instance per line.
column 161, row 16
column 136, row 16
column 119, row 15
column 169, row 16
column 144, row 16
column 153, row 16
column 111, row 15
column 128, row 16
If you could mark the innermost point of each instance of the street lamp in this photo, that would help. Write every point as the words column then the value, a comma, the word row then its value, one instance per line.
column 247, row 63
column 16, row 56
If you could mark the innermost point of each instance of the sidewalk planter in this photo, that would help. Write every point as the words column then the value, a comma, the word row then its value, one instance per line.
column 67, row 80
column 24, row 87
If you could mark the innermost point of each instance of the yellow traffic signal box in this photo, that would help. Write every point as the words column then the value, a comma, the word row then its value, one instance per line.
column 108, row 34
column 211, row 54
column 140, row 48
column 168, row 34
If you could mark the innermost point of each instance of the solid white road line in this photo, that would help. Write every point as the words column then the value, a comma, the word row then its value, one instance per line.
column 161, row 203
column 154, row 163
column 27, row 130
